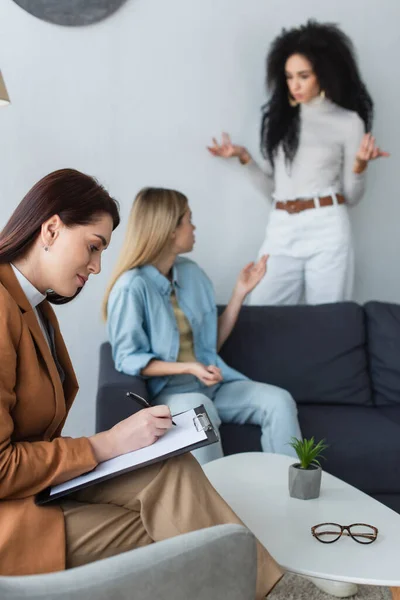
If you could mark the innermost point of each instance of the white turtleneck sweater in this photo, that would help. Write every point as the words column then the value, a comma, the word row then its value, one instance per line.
column 330, row 137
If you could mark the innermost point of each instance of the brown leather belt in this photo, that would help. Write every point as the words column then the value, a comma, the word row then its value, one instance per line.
column 296, row 206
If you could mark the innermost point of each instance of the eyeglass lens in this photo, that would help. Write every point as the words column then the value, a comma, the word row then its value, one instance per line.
column 328, row 532
column 363, row 533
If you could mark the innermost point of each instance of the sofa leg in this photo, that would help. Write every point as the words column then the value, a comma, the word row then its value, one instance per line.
column 395, row 593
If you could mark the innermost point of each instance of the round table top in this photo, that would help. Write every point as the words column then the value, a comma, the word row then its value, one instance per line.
column 255, row 485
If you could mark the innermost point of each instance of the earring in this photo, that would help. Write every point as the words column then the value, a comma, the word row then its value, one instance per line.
column 46, row 248
column 292, row 101
column 322, row 94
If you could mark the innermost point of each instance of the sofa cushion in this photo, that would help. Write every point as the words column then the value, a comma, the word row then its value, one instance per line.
column 318, row 353
column 383, row 331
column 364, row 444
column 240, row 438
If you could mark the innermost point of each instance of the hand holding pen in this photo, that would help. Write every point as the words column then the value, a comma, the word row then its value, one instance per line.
column 141, row 401
column 139, row 430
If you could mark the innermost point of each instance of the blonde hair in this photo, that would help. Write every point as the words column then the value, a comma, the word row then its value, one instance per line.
column 154, row 216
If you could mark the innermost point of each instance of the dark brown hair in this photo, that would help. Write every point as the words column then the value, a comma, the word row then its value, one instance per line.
column 76, row 198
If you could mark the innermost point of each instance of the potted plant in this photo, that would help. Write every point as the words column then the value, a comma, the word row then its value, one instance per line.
column 305, row 476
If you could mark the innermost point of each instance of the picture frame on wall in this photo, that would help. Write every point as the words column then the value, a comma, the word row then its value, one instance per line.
column 70, row 13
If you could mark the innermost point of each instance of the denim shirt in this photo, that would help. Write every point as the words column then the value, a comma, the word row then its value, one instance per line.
column 142, row 326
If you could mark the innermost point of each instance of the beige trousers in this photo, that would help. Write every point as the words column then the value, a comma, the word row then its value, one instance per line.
column 149, row 505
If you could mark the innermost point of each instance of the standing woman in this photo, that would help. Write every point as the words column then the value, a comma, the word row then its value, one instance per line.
column 317, row 152
column 49, row 248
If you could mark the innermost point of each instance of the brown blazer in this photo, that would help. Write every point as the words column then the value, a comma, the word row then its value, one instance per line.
column 33, row 407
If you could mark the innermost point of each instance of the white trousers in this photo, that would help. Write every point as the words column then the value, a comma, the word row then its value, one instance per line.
column 311, row 258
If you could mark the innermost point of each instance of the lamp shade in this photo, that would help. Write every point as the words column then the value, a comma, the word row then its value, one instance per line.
column 4, row 98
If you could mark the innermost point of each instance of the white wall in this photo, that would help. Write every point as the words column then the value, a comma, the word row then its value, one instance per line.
column 134, row 101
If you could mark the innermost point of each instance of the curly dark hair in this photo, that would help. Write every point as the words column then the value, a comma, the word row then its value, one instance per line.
column 332, row 56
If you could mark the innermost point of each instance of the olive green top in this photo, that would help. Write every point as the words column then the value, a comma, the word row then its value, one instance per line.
column 186, row 349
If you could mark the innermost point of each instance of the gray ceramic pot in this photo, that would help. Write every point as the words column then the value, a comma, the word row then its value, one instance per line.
column 304, row 484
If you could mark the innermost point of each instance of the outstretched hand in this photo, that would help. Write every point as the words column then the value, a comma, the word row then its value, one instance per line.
column 251, row 275
column 226, row 149
column 367, row 151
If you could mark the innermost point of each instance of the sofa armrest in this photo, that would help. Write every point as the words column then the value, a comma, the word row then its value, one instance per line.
column 218, row 563
column 112, row 404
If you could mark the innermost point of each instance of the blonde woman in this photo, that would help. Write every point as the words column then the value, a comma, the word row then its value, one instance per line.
column 163, row 325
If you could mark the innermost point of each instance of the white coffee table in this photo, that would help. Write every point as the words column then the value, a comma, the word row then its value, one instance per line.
column 255, row 485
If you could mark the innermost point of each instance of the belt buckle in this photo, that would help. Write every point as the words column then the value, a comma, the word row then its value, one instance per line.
column 291, row 207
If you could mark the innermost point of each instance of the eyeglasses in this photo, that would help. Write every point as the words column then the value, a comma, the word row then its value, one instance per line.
column 327, row 533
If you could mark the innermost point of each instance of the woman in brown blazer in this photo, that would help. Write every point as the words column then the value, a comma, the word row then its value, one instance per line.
column 48, row 249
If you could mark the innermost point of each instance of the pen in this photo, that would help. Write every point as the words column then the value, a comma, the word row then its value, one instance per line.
column 142, row 401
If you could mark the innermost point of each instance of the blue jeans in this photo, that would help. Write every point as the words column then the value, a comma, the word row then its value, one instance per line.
column 250, row 402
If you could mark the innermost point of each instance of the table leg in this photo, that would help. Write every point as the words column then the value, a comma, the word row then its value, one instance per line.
column 395, row 593
column 339, row 589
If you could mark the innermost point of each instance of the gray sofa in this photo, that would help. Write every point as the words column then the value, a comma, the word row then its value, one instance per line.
column 341, row 363
column 218, row 563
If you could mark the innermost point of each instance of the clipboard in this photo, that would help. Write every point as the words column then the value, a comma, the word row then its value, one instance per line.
column 194, row 430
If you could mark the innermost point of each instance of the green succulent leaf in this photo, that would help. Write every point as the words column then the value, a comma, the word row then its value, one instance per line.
column 308, row 451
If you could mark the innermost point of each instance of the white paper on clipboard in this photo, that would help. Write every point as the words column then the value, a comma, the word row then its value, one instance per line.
column 184, row 434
